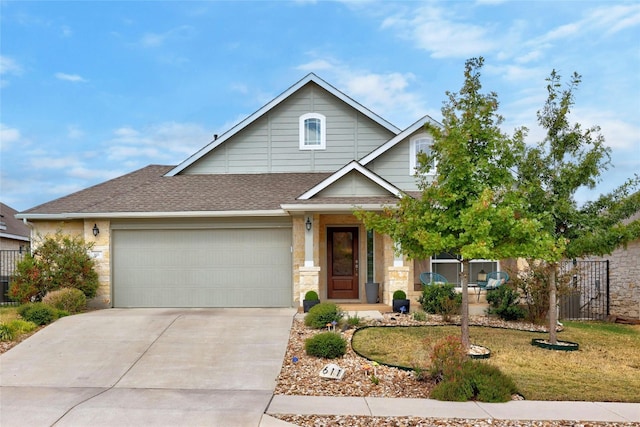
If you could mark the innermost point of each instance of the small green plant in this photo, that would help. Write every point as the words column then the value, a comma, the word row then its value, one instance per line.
column 353, row 320
column 399, row 294
column 6, row 334
column 504, row 303
column 322, row 314
column 419, row 316
column 375, row 380
column 14, row 328
column 38, row 313
column 440, row 299
column 311, row 296
column 67, row 299
column 328, row 345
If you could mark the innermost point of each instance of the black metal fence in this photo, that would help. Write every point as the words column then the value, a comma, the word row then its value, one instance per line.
column 9, row 259
column 588, row 294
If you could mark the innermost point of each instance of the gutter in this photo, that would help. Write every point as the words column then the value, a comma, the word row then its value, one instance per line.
column 142, row 215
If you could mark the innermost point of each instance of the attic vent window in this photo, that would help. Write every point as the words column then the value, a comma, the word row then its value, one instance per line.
column 313, row 132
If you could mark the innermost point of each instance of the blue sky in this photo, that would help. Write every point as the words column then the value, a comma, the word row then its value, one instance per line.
column 93, row 90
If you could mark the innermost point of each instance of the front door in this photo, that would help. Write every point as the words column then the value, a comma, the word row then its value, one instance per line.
column 342, row 263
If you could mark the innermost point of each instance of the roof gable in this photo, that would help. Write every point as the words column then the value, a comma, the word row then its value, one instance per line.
column 337, row 177
column 310, row 78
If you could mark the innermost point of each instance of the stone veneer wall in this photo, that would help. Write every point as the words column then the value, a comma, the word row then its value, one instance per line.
column 624, row 280
column 100, row 251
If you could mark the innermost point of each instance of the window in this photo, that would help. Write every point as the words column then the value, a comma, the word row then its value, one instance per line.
column 370, row 260
column 313, row 132
column 449, row 266
column 420, row 144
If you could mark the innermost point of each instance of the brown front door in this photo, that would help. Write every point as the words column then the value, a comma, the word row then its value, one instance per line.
column 342, row 262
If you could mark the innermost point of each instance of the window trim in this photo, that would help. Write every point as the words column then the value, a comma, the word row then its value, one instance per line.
column 323, row 131
column 412, row 154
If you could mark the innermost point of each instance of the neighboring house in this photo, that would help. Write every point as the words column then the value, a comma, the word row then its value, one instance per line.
column 14, row 243
column 258, row 216
column 14, row 234
column 624, row 278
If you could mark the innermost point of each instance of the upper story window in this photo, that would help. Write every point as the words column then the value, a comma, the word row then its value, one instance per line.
column 313, row 132
column 420, row 143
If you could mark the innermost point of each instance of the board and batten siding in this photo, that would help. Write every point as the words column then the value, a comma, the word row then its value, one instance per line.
column 393, row 165
column 354, row 185
column 271, row 143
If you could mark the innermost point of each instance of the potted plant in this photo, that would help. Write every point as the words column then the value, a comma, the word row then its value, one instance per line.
column 400, row 302
column 310, row 299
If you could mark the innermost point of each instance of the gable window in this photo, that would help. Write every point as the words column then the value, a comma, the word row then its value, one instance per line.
column 313, row 132
column 420, row 144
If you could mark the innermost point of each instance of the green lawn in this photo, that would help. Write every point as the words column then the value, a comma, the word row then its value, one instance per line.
column 606, row 368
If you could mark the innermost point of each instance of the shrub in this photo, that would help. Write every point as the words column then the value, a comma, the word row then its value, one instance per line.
column 13, row 329
column 420, row 316
column 38, row 313
column 456, row 390
column 328, row 345
column 67, row 299
column 440, row 299
column 311, row 296
column 447, row 358
column 504, row 303
column 478, row 381
column 399, row 294
column 58, row 261
column 321, row 314
column 533, row 284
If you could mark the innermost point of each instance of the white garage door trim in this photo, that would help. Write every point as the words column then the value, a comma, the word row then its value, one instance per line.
column 238, row 266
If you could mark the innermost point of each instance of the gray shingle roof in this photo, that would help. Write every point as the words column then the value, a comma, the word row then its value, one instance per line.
column 148, row 190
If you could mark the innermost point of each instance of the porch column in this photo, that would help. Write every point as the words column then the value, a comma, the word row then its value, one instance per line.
column 309, row 281
column 309, row 229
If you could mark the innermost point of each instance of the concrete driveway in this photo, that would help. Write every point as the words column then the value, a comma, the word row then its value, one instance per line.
column 155, row 367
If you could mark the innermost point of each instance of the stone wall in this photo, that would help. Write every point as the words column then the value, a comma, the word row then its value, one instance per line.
column 100, row 250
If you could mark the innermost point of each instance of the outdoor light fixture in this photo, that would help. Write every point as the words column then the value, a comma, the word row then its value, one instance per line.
column 482, row 276
column 308, row 224
column 96, row 230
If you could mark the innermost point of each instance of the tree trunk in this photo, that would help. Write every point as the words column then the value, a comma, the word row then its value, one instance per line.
column 464, row 318
column 553, row 310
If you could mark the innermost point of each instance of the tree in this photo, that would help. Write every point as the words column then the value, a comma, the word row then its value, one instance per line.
column 550, row 173
column 470, row 208
column 58, row 261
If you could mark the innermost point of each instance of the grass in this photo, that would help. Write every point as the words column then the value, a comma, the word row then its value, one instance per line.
column 8, row 313
column 605, row 368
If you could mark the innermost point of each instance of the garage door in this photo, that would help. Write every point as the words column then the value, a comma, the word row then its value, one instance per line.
column 239, row 267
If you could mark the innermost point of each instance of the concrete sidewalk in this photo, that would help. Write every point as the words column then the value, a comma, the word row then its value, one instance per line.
column 428, row 408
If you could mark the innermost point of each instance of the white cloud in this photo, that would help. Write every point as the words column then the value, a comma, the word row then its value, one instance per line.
column 438, row 31
column 66, row 31
column 9, row 66
column 75, row 78
column 386, row 94
column 74, row 132
column 162, row 142
column 152, row 40
column 8, row 136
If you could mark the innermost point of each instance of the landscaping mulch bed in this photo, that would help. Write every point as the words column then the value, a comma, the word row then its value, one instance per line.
column 299, row 376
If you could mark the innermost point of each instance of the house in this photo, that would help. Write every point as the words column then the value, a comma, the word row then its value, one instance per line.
column 14, row 234
column 14, row 241
column 260, row 215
